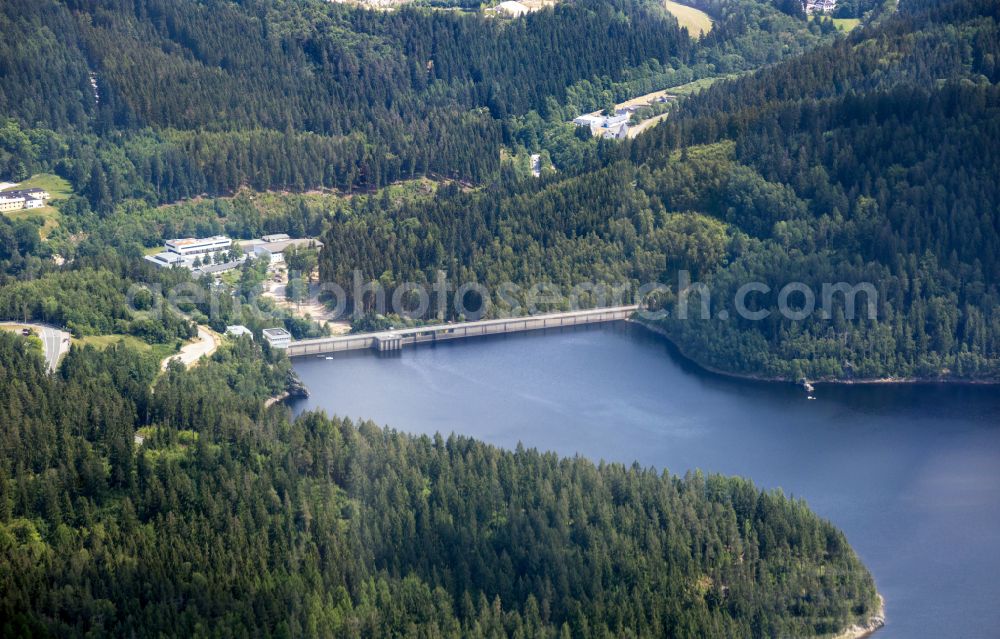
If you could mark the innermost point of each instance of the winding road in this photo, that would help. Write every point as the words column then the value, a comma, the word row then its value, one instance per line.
column 55, row 341
column 190, row 353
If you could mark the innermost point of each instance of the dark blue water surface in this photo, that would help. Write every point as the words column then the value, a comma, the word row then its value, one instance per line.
column 911, row 473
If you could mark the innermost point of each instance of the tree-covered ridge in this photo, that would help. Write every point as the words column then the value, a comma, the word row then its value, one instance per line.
column 868, row 160
column 229, row 519
column 167, row 100
column 885, row 139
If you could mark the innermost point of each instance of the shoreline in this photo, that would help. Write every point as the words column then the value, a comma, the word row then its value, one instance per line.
column 862, row 630
column 837, row 381
column 280, row 397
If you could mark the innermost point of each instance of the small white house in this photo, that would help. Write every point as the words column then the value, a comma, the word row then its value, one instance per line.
column 277, row 337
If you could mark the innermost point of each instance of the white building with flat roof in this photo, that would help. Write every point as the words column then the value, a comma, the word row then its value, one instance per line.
column 198, row 246
column 277, row 337
column 166, row 258
column 199, row 254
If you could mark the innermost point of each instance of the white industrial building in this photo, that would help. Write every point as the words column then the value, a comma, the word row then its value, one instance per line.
column 188, row 251
column 166, row 258
column 277, row 337
column 189, row 246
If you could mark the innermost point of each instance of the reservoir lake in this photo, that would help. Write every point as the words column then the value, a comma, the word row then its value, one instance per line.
column 910, row 472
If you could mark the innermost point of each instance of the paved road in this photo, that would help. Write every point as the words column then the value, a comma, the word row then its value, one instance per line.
column 205, row 345
column 55, row 341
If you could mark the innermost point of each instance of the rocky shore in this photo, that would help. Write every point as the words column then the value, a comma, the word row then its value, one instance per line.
column 868, row 628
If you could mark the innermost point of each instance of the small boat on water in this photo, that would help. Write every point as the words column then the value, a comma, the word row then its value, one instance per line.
column 810, row 397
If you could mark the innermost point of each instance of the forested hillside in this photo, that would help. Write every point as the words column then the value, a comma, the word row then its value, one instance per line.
column 136, row 501
column 165, row 100
column 231, row 520
column 873, row 159
column 886, row 141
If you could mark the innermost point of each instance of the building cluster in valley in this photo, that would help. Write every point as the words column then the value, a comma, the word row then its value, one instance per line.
column 19, row 199
column 819, row 6
column 216, row 254
column 607, row 126
column 616, row 126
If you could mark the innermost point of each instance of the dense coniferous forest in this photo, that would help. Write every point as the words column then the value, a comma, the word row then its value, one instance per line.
column 851, row 163
column 230, row 519
column 165, row 100
column 135, row 501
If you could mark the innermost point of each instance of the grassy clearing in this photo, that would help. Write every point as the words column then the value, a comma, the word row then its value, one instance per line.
column 698, row 85
column 698, row 23
column 179, row 448
column 48, row 215
column 716, row 151
column 160, row 351
column 33, row 339
column 16, row 327
column 57, row 187
column 846, row 24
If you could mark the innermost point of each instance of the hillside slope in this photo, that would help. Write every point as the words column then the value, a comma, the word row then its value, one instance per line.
column 852, row 163
column 232, row 520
